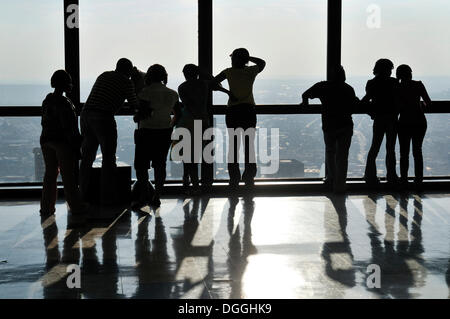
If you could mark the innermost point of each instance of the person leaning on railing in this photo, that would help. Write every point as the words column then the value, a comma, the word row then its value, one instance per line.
column 99, row 127
column 338, row 103
column 412, row 124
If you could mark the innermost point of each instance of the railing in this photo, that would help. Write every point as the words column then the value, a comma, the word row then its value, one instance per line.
column 35, row 111
column 28, row 111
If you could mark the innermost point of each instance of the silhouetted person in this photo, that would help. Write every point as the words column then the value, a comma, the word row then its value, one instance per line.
column 194, row 94
column 241, row 113
column 338, row 101
column 98, row 127
column 60, row 143
column 381, row 93
column 154, row 134
column 138, row 79
column 412, row 123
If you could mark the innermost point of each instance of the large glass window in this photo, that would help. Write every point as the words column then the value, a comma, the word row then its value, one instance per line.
column 291, row 145
column 412, row 32
column 20, row 153
column 32, row 42
column 144, row 31
column 435, row 151
column 289, row 35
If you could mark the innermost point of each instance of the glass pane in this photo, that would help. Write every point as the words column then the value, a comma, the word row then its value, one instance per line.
column 32, row 38
column 20, row 159
column 146, row 32
column 289, row 35
column 415, row 33
column 435, row 150
column 125, row 150
column 300, row 152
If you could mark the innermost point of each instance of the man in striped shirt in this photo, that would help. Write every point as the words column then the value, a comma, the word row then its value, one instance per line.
column 98, row 126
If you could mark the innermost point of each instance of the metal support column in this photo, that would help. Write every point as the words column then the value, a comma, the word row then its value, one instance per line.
column 72, row 47
column 205, row 51
column 334, row 34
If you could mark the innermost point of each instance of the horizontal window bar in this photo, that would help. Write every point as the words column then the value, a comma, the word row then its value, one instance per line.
column 264, row 180
column 26, row 111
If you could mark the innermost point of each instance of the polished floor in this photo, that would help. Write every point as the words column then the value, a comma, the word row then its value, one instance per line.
column 261, row 247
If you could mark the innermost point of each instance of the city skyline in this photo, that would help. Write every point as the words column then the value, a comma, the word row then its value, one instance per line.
column 292, row 38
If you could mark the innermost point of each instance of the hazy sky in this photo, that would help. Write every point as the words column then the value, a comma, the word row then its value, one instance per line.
column 289, row 34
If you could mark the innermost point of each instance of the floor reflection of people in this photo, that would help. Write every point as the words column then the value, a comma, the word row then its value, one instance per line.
column 194, row 212
column 336, row 251
column 55, row 282
column 155, row 275
column 391, row 254
column 447, row 278
column 100, row 280
column 238, row 252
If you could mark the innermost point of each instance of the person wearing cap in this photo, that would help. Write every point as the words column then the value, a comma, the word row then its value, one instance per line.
column 240, row 113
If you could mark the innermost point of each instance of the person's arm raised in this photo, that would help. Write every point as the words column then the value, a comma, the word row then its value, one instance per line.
column 259, row 62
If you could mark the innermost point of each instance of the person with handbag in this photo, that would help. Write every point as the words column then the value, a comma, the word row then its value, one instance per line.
column 60, row 143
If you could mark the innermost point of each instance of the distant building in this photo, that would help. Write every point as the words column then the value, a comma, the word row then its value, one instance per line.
column 288, row 168
column 175, row 170
column 39, row 167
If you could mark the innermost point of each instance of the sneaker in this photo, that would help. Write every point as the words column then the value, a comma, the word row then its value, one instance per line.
column 138, row 204
column 156, row 202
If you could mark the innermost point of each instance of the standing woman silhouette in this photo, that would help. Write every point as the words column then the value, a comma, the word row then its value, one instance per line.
column 60, row 143
column 381, row 93
column 412, row 122
column 241, row 113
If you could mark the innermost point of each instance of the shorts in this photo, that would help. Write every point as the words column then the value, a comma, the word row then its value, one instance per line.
column 152, row 146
